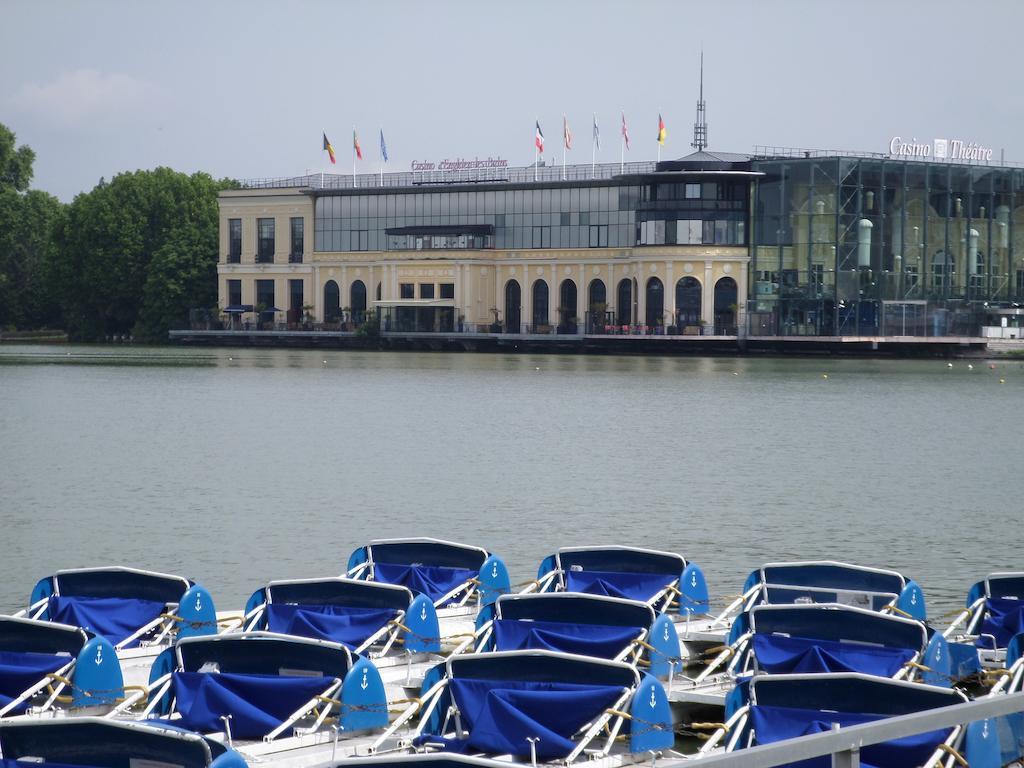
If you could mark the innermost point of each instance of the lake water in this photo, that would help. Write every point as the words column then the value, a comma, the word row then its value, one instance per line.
column 235, row 467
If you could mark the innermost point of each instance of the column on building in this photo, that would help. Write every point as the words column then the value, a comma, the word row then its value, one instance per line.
column 554, row 297
column 707, row 310
column 526, row 285
column 640, row 293
column 670, row 293
column 582, row 299
column 741, row 293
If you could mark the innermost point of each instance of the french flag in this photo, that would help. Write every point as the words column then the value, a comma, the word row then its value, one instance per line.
column 539, row 139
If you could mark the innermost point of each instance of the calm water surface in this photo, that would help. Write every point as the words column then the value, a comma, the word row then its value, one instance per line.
column 235, row 467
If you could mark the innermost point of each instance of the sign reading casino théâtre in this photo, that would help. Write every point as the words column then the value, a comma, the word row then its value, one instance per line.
column 939, row 149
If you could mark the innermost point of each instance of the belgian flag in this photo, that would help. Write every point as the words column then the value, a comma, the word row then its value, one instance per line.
column 329, row 148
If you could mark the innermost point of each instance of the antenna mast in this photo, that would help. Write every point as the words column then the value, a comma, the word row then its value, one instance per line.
column 700, row 128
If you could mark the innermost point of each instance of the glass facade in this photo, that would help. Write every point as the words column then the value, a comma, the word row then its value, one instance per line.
column 873, row 246
column 556, row 215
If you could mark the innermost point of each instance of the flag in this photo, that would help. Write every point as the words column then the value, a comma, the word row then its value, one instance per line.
column 330, row 149
column 597, row 134
column 538, row 141
column 661, row 130
column 566, row 133
column 383, row 147
column 625, row 130
column 355, row 145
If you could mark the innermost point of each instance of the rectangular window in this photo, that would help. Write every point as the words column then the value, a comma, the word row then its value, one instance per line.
column 447, row 290
column 360, row 239
column 911, row 277
column 817, row 278
column 1020, row 282
column 693, row 191
column 234, row 293
column 295, row 301
column 599, row 235
column 709, row 191
column 426, row 290
column 234, row 241
column 298, row 240
column 407, row 291
column 265, row 294
column 265, row 240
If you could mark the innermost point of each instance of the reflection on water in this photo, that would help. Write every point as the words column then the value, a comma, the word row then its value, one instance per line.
column 236, row 466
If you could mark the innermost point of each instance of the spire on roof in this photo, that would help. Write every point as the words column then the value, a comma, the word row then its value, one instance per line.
column 700, row 128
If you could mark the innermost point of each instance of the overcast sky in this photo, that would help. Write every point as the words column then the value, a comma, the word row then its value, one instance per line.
column 245, row 89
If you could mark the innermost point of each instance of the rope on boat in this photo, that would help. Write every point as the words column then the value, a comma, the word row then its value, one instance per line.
column 101, row 693
column 192, row 624
column 955, row 755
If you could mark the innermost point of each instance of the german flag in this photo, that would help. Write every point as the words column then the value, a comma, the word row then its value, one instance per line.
column 330, row 149
column 661, row 130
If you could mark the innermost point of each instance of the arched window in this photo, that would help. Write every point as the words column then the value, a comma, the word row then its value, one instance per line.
column 378, row 291
column 540, row 304
column 597, row 306
column 358, row 292
column 332, row 302
column 655, row 302
column 942, row 271
column 567, row 307
column 624, row 305
column 513, row 307
column 688, row 301
column 725, row 307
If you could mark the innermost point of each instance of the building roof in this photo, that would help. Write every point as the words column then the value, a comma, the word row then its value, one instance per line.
column 704, row 160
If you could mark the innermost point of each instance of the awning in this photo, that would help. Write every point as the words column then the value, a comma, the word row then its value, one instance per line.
column 238, row 309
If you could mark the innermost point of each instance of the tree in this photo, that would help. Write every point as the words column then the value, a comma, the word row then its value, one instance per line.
column 27, row 222
column 121, row 246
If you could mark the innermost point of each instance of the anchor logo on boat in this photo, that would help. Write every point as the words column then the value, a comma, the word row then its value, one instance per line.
column 653, row 700
column 365, row 684
column 693, row 579
column 99, row 655
column 199, row 601
column 984, row 729
column 666, row 633
column 494, row 570
column 423, row 612
column 913, row 597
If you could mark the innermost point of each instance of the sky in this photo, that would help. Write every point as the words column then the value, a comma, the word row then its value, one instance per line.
column 246, row 89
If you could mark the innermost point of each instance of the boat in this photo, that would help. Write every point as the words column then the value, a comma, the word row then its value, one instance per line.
column 100, row 743
column 458, row 578
column 773, row 708
column 47, row 667
column 288, row 700
column 382, row 622
column 587, row 625
column 664, row 580
column 994, row 614
column 139, row 612
column 816, row 638
column 541, row 707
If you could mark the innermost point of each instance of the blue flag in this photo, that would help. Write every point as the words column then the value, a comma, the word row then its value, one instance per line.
column 383, row 147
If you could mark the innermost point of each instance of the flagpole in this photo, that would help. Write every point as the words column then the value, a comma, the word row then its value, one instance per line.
column 536, row 153
column 353, row 157
column 659, row 136
column 593, row 148
column 382, row 157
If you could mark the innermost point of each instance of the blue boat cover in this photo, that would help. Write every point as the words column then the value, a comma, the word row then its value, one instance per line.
column 501, row 714
column 1004, row 618
column 20, row 669
column 114, row 618
column 773, row 724
column 584, row 639
column 35, row 764
column 338, row 623
column 632, row 586
column 257, row 703
column 434, row 581
column 778, row 654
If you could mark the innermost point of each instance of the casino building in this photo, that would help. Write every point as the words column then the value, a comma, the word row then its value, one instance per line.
column 778, row 243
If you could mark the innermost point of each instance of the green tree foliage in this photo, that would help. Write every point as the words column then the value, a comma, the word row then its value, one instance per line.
column 27, row 223
column 136, row 253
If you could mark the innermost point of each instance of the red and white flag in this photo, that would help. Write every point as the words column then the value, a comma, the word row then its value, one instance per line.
column 625, row 130
column 538, row 141
column 566, row 133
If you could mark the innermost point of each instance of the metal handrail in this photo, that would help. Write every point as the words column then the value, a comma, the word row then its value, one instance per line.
column 845, row 744
column 524, row 175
